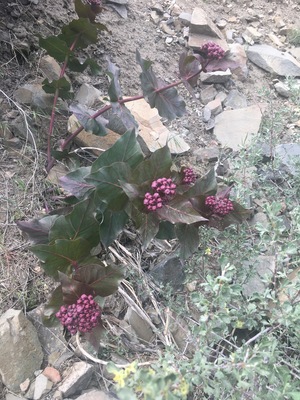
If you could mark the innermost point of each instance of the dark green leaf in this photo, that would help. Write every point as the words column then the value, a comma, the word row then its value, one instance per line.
column 75, row 184
column 114, row 90
column 55, row 47
column 166, row 231
column 52, row 307
column 167, row 101
column 158, row 165
column 146, row 223
column 188, row 236
column 206, row 186
column 61, row 85
column 111, row 226
column 93, row 125
column 108, row 187
column 61, row 255
column 81, row 32
column 84, row 10
column 179, row 210
column 72, row 289
column 133, row 191
column 103, row 280
column 37, row 230
column 80, row 223
column 75, row 65
column 126, row 150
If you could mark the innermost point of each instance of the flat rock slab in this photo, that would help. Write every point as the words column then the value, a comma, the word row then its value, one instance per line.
column 289, row 155
column 77, row 379
column 234, row 128
column 273, row 60
column 21, row 353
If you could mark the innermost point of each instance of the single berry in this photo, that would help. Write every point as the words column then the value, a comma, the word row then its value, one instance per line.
column 189, row 176
column 219, row 205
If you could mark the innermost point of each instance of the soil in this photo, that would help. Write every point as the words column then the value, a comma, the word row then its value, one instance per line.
column 24, row 193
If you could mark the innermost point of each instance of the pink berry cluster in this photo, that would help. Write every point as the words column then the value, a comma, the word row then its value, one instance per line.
column 219, row 205
column 164, row 189
column 212, row 51
column 189, row 176
column 82, row 316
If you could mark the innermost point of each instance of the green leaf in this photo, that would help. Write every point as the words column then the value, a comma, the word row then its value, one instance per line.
column 166, row 231
column 111, row 226
column 52, row 307
column 82, row 32
column 146, row 223
column 75, row 184
column 126, row 150
column 158, row 165
column 205, row 186
column 61, row 84
column 168, row 103
column 80, row 223
column 188, row 236
column 84, row 10
column 61, row 255
column 108, row 187
column 114, row 90
column 75, row 65
column 103, row 280
column 93, row 125
column 179, row 210
column 55, row 47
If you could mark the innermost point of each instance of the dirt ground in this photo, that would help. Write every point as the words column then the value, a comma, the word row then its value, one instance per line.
column 24, row 193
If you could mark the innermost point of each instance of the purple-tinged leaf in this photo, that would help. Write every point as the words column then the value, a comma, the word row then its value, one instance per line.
column 72, row 289
column 189, row 69
column 61, row 255
column 222, row 65
column 121, row 119
column 111, row 226
column 107, row 181
column 75, row 184
column 37, row 230
column 179, row 210
column 126, row 150
column 114, row 90
column 147, row 224
column 79, row 223
column 167, row 101
column 188, row 236
column 158, row 165
column 206, row 185
column 237, row 216
column 95, row 335
column 103, row 280
column 92, row 125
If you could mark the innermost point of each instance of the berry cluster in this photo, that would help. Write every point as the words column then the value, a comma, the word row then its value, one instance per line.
column 189, row 176
column 82, row 316
column 219, row 205
column 212, row 51
column 164, row 189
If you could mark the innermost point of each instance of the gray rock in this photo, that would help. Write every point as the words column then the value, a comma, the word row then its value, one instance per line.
column 52, row 339
column 259, row 218
column 95, row 395
column 169, row 271
column 11, row 396
column 141, row 328
column 208, row 94
column 261, row 273
column 77, row 379
column 235, row 99
column 206, row 114
column 87, row 95
column 234, row 128
column 33, row 94
column 215, row 106
column 222, row 96
column 209, row 154
column 50, row 68
column 289, row 154
column 21, row 353
column 282, row 89
column 273, row 60
column 238, row 55
column 185, row 18
column 295, row 52
column 215, row 77
column 42, row 386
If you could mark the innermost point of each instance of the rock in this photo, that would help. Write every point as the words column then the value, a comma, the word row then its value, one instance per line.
column 41, row 387
column 25, row 385
column 221, row 96
column 282, row 89
column 78, row 377
column 155, row 17
column 238, row 55
column 295, row 52
column 215, row 106
column 166, row 29
column 87, row 95
column 52, row 374
column 152, row 133
column 273, row 61
column 181, row 334
column 169, row 271
column 234, row 128
column 259, row 218
column 286, row 294
column 20, row 129
column 206, row 114
column 261, row 273
column 50, row 68
column 221, row 24
column 254, row 34
column 208, row 94
column 141, row 327
column 11, row 396
column 95, row 395
column 235, row 99
column 202, row 30
column 289, row 154
column 21, row 353
column 185, row 18
column 215, row 77
column 33, row 94
column 275, row 40
column 207, row 154
column 52, row 340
